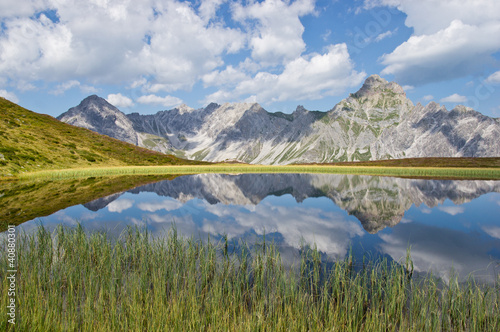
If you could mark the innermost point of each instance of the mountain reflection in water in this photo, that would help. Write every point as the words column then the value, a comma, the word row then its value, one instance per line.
column 293, row 208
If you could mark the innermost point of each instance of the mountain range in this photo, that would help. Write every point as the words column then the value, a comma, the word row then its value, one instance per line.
column 377, row 122
column 377, row 202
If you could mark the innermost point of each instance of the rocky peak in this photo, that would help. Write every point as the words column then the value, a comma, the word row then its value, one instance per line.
column 211, row 107
column 375, row 85
column 300, row 110
column 95, row 100
column 184, row 109
column 95, row 113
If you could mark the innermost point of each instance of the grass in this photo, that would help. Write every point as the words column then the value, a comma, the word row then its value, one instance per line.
column 73, row 281
column 26, row 200
column 30, row 141
column 422, row 172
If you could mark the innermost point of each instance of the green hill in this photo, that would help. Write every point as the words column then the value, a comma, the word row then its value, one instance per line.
column 31, row 141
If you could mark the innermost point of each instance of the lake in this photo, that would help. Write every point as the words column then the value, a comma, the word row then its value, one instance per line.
column 450, row 225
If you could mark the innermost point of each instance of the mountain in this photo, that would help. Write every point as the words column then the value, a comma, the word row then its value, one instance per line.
column 377, row 202
column 30, row 141
column 377, row 122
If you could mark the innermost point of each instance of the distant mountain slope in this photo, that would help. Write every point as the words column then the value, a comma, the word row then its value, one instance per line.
column 377, row 122
column 30, row 141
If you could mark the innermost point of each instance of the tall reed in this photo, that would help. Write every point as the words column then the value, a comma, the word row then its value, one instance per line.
column 70, row 280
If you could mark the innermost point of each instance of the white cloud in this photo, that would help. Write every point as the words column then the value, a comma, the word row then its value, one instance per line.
column 494, row 78
column 166, row 101
column 63, row 87
column 385, row 35
column 427, row 17
column 326, row 35
column 408, row 87
column 26, row 8
column 454, row 98
column 9, row 95
column 119, row 100
column 227, row 76
column 455, row 51
column 25, row 86
column 451, row 39
column 306, row 77
column 167, row 205
column 440, row 250
column 277, row 37
column 120, row 205
column 452, row 210
column 493, row 231
column 208, row 9
column 168, row 42
column 428, row 97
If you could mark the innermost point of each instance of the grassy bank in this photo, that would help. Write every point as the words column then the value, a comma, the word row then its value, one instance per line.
column 71, row 281
column 26, row 200
column 424, row 172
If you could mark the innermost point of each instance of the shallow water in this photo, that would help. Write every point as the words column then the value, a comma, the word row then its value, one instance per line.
column 449, row 225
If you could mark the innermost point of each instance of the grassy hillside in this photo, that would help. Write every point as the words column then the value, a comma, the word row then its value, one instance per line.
column 30, row 141
column 26, row 200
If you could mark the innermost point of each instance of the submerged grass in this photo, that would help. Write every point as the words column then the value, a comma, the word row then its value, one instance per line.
column 430, row 172
column 73, row 281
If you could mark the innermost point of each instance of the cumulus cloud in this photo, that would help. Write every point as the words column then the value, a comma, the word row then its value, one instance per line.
column 452, row 210
column 456, row 51
column 428, row 97
column 168, row 41
column 166, row 101
column 63, row 87
column 451, row 39
column 228, row 76
column 307, row 77
column 120, row 205
column 493, row 231
column 277, row 37
column 119, row 100
column 167, row 205
column 494, row 78
column 440, row 250
column 427, row 17
column 9, row 95
column 454, row 98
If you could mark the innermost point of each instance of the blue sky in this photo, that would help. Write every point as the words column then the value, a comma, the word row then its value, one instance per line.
column 149, row 55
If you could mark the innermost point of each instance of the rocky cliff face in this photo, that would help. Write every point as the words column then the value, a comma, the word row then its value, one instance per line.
column 97, row 114
column 377, row 122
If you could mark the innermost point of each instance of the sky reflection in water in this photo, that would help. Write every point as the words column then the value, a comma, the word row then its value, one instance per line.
column 448, row 224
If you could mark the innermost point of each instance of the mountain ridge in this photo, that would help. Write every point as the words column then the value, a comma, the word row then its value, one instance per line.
column 376, row 122
column 30, row 142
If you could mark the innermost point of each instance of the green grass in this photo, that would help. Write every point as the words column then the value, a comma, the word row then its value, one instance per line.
column 30, row 141
column 26, row 200
column 351, row 168
column 71, row 281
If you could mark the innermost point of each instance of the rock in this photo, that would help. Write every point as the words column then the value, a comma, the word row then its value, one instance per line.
column 96, row 114
column 376, row 122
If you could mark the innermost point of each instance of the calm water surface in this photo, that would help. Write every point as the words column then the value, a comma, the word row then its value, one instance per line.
column 448, row 224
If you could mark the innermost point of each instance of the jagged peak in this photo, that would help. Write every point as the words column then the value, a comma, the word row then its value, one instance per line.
column 462, row 109
column 183, row 108
column 300, row 110
column 95, row 100
column 375, row 85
